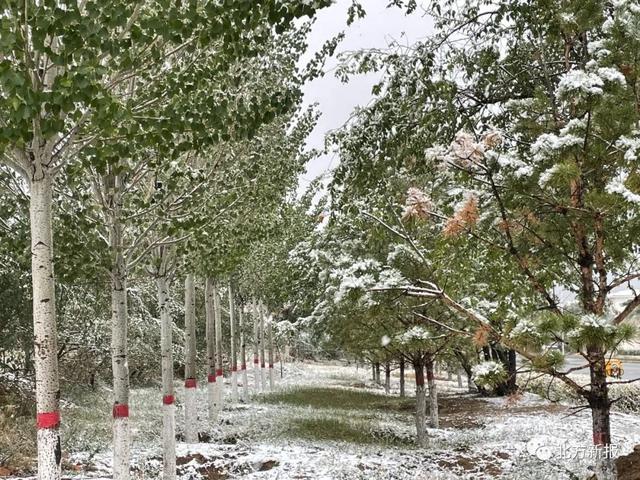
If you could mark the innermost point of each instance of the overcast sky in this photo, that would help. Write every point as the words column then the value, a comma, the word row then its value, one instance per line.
column 337, row 100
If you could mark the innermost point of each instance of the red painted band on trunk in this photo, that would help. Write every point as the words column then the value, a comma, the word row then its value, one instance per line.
column 211, row 378
column 219, row 373
column 262, row 365
column 190, row 383
column 429, row 375
column 243, row 366
column 271, row 365
column 234, row 369
column 168, row 400
column 120, row 410
column 48, row 420
column 256, row 361
column 599, row 438
column 420, row 381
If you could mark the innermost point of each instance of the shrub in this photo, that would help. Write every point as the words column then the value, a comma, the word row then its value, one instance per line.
column 488, row 374
column 626, row 396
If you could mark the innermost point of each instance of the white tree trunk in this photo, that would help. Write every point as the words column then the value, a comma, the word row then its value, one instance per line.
column 234, row 356
column 169, row 439
column 433, row 396
column 168, row 396
column 190, row 411
column 272, row 373
column 218, row 323
column 256, row 347
column 121, row 429
column 243, row 356
column 119, row 330
column 263, row 377
column 459, row 378
column 44, row 329
column 210, row 325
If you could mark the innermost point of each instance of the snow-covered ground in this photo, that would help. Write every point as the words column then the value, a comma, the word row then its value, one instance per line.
column 528, row 438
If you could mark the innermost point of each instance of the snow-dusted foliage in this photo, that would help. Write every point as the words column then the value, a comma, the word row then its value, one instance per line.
column 488, row 374
column 414, row 334
column 417, row 205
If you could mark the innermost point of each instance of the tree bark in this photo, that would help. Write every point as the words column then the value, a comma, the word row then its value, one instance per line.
column 402, row 393
column 190, row 411
column 272, row 375
column 421, row 431
column 210, row 326
column 44, row 328
column 120, row 368
column 600, row 415
column 256, row 347
column 263, row 378
column 218, row 328
column 466, row 366
column 433, row 394
column 234, row 357
column 507, row 358
column 387, row 378
column 168, row 395
column 243, row 357
column 377, row 372
column 119, row 331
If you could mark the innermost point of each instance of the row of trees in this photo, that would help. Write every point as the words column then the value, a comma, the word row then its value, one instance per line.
column 494, row 173
column 149, row 141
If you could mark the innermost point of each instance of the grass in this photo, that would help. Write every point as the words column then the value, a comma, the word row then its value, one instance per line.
column 17, row 430
column 338, row 398
column 343, row 415
column 330, row 429
column 340, row 430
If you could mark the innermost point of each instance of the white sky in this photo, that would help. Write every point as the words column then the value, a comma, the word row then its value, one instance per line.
column 337, row 100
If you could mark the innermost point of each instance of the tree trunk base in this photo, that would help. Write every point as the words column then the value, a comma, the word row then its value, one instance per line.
column 263, row 379
column 121, row 448
column 49, row 454
column 169, row 441
column 213, row 402
column 606, row 469
column 190, row 416
column 245, row 386
column 234, row 387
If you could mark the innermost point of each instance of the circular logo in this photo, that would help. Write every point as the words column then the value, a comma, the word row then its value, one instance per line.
column 541, row 446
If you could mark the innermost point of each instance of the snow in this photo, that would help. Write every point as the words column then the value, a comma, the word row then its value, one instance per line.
column 549, row 144
column 523, row 327
column 617, row 185
column 590, row 81
column 579, row 81
column 486, row 368
column 521, row 169
column 526, row 399
column 253, row 441
column 596, row 321
column 415, row 333
column 547, row 175
column 612, row 75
